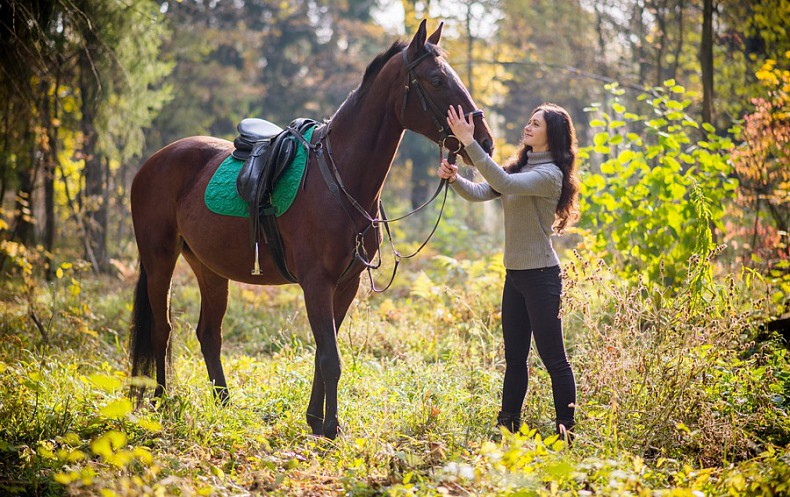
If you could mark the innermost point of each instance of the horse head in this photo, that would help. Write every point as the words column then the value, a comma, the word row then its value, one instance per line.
column 431, row 87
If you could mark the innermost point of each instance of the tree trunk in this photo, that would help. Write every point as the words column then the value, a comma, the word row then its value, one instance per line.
column 679, row 47
column 424, row 159
column 706, row 60
column 26, row 176
column 93, row 207
column 661, row 12
column 50, row 158
column 104, row 217
column 638, row 46
column 469, row 50
column 603, row 67
column 5, row 159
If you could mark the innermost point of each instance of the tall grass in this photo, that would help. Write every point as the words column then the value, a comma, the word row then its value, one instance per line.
column 674, row 393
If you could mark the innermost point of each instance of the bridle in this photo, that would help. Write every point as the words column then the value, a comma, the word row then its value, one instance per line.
column 331, row 175
column 438, row 115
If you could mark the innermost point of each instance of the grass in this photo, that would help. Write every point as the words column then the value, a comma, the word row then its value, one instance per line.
column 673, row 394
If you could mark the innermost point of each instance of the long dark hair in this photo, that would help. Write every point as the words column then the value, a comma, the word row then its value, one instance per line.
column 562, row 145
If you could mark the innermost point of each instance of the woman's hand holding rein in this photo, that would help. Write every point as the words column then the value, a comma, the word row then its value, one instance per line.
column 447, row 171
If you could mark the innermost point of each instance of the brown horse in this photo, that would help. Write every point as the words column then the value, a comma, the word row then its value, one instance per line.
column 409, row 86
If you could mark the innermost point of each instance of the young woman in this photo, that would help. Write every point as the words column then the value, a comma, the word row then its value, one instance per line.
column 539, row 189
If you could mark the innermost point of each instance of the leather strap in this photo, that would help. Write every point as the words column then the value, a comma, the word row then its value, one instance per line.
column 274, row 241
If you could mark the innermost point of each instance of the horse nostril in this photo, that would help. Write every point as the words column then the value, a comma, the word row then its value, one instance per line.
column 488, row 145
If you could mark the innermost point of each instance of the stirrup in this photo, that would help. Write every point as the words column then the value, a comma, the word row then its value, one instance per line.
column 256, row 269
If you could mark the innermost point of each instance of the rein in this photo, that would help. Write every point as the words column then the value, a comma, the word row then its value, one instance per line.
column 331, row 175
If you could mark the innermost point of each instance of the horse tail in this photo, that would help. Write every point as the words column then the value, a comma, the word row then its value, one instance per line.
column 141, row 350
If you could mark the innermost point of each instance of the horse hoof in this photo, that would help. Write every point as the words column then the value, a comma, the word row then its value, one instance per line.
column 222, row 397
column 331, row 429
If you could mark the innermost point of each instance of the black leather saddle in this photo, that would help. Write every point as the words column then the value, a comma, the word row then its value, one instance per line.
column 266, row 150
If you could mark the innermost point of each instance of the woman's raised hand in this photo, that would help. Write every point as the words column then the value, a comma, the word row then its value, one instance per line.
column 447, row 171
column 462, row 129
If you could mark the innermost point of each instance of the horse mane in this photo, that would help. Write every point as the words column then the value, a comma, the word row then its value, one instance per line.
column 378, row 63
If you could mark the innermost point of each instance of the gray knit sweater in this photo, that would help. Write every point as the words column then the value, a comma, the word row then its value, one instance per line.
column 529, row 200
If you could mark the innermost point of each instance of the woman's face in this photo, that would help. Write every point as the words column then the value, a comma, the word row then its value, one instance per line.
column 535, row 133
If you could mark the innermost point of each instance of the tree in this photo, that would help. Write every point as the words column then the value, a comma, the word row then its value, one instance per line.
column 99, row 59
column 706, row 61
column 762, row 163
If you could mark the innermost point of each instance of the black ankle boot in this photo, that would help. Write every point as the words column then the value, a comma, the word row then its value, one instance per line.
column 565, row 432
column 510, row 420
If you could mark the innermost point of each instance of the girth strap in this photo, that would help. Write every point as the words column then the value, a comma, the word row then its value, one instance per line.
column 271, row 234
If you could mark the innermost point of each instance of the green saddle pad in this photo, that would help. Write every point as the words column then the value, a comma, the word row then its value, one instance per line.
column 221, row 196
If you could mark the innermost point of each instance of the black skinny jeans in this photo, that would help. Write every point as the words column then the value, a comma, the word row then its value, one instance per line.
column 530, row 306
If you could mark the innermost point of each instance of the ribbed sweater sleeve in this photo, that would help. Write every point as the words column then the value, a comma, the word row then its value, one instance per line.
column 474, row 192
column 538, row 182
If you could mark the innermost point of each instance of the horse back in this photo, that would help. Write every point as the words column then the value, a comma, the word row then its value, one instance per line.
column 175, row 169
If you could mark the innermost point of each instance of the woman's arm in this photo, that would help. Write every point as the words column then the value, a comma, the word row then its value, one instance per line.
column 540, row 182
column 473, row 192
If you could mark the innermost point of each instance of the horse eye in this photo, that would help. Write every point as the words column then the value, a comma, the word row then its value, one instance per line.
column 436, row 81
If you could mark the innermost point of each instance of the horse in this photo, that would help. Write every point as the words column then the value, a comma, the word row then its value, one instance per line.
column 319, row 231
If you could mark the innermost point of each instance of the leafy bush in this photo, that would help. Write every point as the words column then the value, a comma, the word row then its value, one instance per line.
column 659, row 189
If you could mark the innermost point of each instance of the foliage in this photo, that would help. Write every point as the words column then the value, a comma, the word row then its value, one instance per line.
column 660, row 188
column 762, row 163
column 673, row 394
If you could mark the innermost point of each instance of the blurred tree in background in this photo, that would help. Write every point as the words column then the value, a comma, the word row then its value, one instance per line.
column 80, row 81
column 90, row 88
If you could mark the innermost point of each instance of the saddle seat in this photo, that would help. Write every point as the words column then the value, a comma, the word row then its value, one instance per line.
column 251, row 131
column 266, row 150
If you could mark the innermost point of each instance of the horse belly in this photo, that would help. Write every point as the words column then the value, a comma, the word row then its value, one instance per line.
column 222, row 243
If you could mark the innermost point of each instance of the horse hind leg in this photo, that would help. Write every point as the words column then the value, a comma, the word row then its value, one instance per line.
column 213, row 304
column 150, row 336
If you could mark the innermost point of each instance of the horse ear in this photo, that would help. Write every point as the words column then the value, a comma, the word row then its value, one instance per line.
column 436, row 35
column 418, row 42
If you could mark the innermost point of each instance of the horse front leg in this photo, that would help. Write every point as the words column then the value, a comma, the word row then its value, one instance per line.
column 343, row 297
column 318, row 296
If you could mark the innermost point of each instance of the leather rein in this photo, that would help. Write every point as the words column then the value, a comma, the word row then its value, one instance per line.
column 331, row 175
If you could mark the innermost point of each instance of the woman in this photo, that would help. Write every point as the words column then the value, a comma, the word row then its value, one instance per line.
column 539, row 189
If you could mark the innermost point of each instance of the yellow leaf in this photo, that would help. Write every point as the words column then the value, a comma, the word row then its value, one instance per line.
column 101, row 447
column 143, row 455
column 105, row 444
column 72, row 438
column 105, row 382
column 217, row 472
column 76, row 455
column 66, row 478
column 117, row 439
column 117, row 409
column 59, row 273
column 150, row 425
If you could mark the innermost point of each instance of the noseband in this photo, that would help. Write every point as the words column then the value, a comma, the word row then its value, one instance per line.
column 438, row 116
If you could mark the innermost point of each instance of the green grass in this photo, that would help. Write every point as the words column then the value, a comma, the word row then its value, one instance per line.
column 674, row 395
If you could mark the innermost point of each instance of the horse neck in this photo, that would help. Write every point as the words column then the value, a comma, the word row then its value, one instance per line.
column 365, row 137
